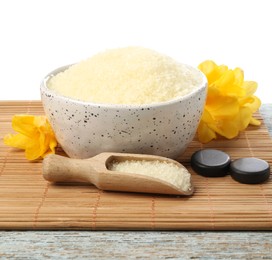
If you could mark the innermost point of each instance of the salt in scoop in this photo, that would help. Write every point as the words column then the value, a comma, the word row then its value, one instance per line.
column 106, row 172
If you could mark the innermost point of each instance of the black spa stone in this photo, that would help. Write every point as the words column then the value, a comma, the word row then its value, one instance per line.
column 210, row 163
column 250, row 170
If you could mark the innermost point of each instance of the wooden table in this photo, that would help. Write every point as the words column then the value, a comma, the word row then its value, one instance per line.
column 139, row 245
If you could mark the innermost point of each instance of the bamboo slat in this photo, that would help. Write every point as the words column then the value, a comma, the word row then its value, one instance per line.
column 28, row 202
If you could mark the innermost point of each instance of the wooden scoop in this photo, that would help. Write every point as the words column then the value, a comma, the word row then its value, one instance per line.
column 96, row 171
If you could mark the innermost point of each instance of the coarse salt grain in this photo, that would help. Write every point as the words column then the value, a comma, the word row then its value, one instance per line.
column 132, row 75
column 165, row 171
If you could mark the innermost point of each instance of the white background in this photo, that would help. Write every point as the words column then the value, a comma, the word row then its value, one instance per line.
column 39, row 36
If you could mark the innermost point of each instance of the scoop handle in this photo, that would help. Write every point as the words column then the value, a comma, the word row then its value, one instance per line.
column 58, row 168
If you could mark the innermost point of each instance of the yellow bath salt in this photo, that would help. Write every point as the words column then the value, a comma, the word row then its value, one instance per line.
column 165, row 171
column 132, row 75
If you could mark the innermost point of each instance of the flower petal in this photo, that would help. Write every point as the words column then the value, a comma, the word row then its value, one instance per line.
column 225, row 80
column 206, row 116
column 52, row 144
column 220, row 105
column 255, row 104
column 205, row 133
column 243, row 118
column 208, row 67
column 238, row 77
column 254, row 121
column 211, row 70
column 250, row 87
column 40, row 121
column 24, row 124
column 16, row 140
column 32, row 151
column 37, row 147
column 226, row 128
column 227, row 84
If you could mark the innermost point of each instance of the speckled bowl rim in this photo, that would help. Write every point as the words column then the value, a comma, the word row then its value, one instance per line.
column 45, row 89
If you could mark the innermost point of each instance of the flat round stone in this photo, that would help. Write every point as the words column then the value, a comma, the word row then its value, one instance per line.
column 210, row 163
column 250, row 170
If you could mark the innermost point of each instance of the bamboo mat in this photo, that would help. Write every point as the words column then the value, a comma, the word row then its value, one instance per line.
column 28, row 202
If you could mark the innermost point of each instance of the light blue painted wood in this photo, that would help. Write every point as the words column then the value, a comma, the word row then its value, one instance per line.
column 135, row 245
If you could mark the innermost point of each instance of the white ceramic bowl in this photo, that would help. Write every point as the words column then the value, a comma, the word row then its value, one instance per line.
column 85, row 129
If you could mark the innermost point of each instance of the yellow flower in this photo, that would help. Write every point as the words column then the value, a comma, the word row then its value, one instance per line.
column 35, row 136
column 230, row 102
